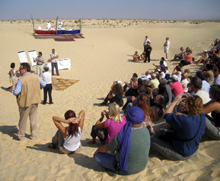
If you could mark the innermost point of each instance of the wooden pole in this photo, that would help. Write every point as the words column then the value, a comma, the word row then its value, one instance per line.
column 33, row 25
column 56, row 23
column 80, row 26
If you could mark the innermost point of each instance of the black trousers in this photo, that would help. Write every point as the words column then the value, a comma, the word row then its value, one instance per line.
column 147, row 57
column 100, row 133
column 48, row 89
column 54, row 65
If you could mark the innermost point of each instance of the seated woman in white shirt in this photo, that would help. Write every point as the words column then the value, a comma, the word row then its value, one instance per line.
column 67, row 139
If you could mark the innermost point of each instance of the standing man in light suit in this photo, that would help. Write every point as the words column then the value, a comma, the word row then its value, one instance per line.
column 40, row 61
column 27, row 91
column 54, row 61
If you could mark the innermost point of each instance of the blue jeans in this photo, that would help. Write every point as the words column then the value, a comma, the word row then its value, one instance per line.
column 108, row 161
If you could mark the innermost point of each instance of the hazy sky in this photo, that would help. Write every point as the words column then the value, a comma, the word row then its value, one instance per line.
column 98, row 9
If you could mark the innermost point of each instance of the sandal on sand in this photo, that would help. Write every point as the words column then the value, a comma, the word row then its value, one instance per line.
column 52, row 145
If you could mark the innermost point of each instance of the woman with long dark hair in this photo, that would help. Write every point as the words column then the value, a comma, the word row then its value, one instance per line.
column 115, row 95
column 68, row 138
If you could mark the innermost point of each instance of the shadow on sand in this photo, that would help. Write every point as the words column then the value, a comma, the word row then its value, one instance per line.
column 11, row 131
column 6, row 89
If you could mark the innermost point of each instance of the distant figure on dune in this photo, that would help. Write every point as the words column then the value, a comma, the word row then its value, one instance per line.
column 136, row 56
column 146, row 41
column 48, row 25
column 60, row 24
column 148, row 50
column 166, row 47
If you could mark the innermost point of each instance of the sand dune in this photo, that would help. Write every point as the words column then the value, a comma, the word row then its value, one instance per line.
column 98, row 60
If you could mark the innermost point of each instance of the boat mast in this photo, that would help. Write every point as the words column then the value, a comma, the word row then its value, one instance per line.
column 33, row 25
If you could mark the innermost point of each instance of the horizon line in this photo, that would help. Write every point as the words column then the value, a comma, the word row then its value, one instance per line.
column 116, row 19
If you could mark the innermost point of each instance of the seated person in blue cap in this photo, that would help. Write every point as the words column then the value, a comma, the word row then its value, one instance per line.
column 130, row 146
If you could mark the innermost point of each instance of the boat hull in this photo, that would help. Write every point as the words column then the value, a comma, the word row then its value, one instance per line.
column 67, row 32
column 45, row 32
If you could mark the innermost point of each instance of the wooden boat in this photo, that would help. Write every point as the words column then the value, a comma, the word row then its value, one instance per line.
column 58, row 32
column 45, row 32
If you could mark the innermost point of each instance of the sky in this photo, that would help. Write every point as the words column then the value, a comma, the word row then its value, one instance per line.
column 110, row 9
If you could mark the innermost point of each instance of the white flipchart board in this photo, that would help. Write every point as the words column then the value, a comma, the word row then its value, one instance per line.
column 22, row 57
column 32, row 55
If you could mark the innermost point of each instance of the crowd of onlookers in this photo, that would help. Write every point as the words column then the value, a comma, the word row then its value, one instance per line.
column 190, row 104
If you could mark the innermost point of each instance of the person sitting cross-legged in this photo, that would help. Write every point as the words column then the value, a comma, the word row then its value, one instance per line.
column 67, row 139
column 130, row 146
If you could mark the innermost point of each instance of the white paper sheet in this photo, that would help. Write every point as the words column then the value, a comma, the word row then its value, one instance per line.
column 22, row 57
column 32, row 55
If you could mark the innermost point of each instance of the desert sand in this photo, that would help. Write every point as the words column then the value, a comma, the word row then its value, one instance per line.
column 97, row 60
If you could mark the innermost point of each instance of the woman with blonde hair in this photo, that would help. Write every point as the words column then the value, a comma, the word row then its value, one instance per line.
column 108, row 129
column 187, row 130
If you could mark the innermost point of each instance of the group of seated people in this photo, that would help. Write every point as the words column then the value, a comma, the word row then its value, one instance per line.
column 190, row 105
column 143, row 57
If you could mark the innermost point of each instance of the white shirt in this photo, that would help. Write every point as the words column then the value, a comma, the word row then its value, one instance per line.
column 204, row 96
column 48, row 25
column 47, row 77
column 162, row 75
column 72, row 143
column 146, row 40
column 179, row 76
column 11, row 75
column 54, row 55
column 146, row 77
column 184, row 83
column 165, row 63
column 167, row 44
